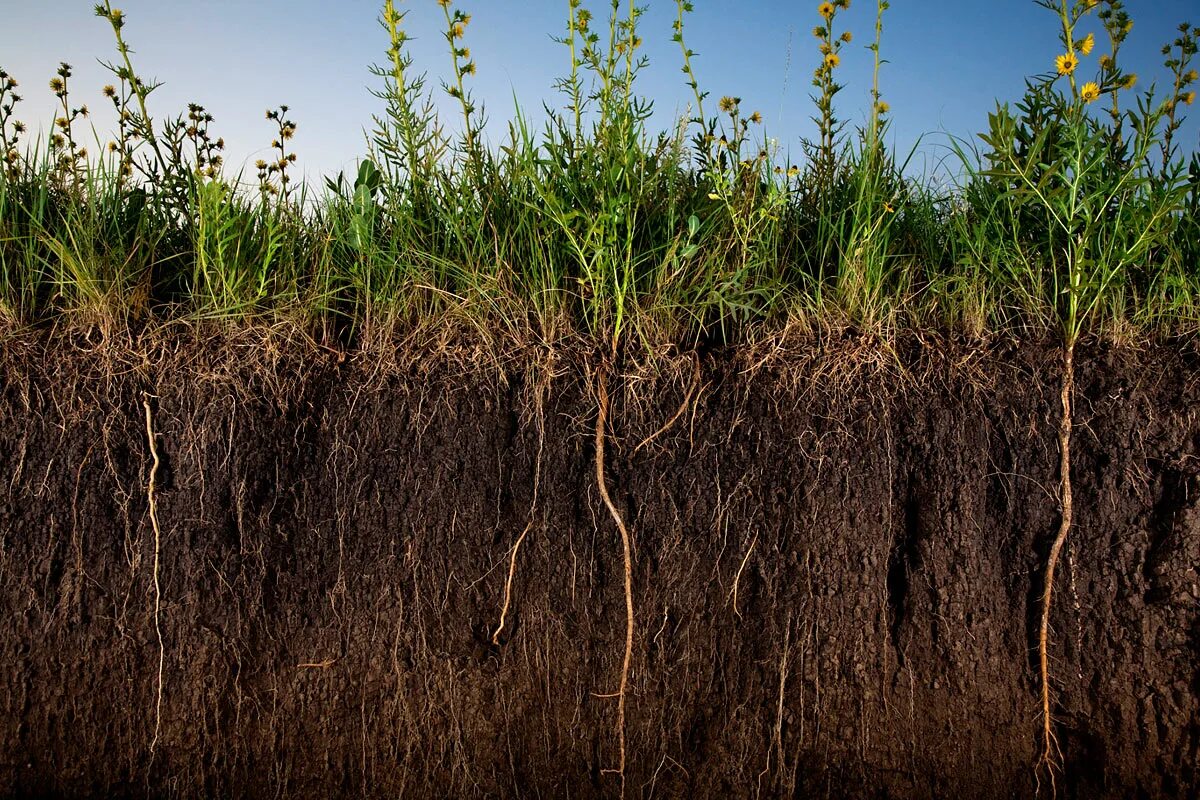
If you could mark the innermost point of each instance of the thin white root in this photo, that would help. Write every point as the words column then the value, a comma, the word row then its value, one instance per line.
column 512, row 570
column 601, row 483
column 738, row 576
column 152, row 502
column 512, row 561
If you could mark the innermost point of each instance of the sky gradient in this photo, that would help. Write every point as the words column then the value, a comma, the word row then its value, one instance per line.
column 950, row 60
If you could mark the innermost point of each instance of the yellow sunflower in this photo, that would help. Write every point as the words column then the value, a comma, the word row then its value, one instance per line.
column 1090, row 92
column 825, row 10
column 1087, row 44
column 1066, row 63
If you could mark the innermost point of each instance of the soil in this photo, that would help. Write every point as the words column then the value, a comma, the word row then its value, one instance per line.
column 837, row 561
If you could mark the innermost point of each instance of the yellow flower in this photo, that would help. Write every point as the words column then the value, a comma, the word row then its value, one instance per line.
column 832, row 60
column 1090, row 92
column 469, row 69
column 847, row 36
column 1106, row 62
column 756, row 118
column 443, row 3
column 1190, row 76
column 819, row 32
column 793, row 171
column 457, row 30
column 1188, row 98
column 825, row 10
column 1087, row 44
column 1130, row 81
column 1066, row 63
column 883, row 107
column 728, row 104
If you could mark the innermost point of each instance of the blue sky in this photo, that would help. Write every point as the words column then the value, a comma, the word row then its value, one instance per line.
column 949, row 61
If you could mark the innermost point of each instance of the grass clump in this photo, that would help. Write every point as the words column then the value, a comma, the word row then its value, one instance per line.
column 1076, row 210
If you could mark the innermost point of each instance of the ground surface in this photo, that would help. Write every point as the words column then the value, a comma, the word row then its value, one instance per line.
column 837, row 563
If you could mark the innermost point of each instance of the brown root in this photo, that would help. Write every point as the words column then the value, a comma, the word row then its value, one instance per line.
column 1051, row 757
column 602, row 485
column 683, row 407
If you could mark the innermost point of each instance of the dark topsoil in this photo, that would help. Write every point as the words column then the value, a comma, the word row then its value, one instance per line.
column 335, row 541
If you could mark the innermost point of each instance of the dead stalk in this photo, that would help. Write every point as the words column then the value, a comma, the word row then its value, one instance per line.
column 152, row 502
column 601, row 483
column 1049, row 742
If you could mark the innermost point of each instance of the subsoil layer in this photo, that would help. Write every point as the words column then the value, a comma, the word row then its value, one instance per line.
column 837, row 563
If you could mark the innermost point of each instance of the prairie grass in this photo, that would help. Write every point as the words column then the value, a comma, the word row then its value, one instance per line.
column 1077, row 211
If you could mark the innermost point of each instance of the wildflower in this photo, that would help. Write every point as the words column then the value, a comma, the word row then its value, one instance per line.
column 793, row 171
column 889, row 208
column 825, row 10
column 1090, row 92
column 756, row 118
column 1087, row 44
column 63, row 123
column 1188, row 98
column 57, row 85
column 19, row 127
column 1129, row 81
column 260, row 165
column 819, row 32
column 469, row 69
column 110, row 91
column 457, row 30
column 112, row 147
column 444, row 3
column 728, row 104
column 1066, row 63
column 847, row 37
column 1107, row 63
column 1190, row 76
column 832, row 60
column 883, row 107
